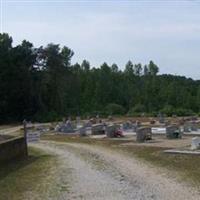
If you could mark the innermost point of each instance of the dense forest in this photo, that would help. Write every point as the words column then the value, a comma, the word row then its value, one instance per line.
column 42, row 84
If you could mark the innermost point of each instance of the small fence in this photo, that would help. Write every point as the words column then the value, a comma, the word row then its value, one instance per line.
column 13, row 142
column 13, row 148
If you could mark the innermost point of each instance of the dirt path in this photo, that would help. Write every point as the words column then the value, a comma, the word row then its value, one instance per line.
column 10, row 130
column 90, row 172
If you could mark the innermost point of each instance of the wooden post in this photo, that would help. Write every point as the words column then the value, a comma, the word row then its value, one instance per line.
column 25, row 136
column 25, row 128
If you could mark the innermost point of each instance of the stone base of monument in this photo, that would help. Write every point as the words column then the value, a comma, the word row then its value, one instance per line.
column 176, row 151
column 143, row 134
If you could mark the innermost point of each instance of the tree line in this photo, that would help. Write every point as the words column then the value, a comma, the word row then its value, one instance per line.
column 42, row 84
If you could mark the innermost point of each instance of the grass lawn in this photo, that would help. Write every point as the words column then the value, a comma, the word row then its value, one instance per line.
column 18, row 177
column 185, row 167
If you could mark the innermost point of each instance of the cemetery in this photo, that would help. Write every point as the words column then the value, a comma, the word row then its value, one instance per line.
column 159, row 132
column 99, row 100
column 151, row 139
column 175, row 133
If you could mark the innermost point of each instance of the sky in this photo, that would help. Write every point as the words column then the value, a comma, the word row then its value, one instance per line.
column 112, row 31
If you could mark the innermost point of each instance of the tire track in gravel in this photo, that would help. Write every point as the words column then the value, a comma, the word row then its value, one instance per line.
column 93, row 172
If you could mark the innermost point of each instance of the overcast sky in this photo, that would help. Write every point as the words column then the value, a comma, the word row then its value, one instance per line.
column 113, row 31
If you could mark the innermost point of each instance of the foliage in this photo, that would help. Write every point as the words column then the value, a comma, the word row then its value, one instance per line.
column 168, row 110
column 42, row 84
column 184, row 112
column 115, row 109
column 139, row 108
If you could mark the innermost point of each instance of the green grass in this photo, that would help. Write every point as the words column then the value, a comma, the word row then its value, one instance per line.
column 184, row 167
column 23, row 175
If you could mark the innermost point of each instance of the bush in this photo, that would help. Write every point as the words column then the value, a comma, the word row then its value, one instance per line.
column 115, row 109
column 47, row 117
column 139, row 108
column 183, row 112
column 170, row 110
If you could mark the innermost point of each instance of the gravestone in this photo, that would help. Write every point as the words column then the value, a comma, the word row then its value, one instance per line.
column 167, row 123
column 194, row 126
column 173, row 132
column 137, row 125
column 111, row 130
column 161, row 118
column 152, row 122
column 110, row 118
column 190, row 126
column 187, row 127
column 82, row 131
column 42, row 129
column 78, row 122
column 65, row 127
column 98, row 129
column 195, row 143
column 127, row 125
column 143, row 134
column 88, row 124
column 57, row 128
column 93, row 120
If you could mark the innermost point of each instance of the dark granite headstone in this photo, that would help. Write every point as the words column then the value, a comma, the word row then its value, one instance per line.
column 173, row 132
column 98, row 129
column 143, row 134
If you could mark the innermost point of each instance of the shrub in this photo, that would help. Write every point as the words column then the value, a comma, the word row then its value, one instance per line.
column 115, row 109
column 47, row 116
column 138, row 108
column 168, row 110
column 183, row 112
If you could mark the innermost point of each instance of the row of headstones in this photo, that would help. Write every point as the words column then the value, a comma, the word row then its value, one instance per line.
column 142, row 134
column 65, row 127
column 133, row 126
column 71, row 127
column 111, row 130
column 145, row 133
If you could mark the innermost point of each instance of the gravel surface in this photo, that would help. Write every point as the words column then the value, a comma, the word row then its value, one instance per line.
column 92, row 173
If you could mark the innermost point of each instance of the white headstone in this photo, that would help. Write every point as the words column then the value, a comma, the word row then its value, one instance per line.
column 195, row 143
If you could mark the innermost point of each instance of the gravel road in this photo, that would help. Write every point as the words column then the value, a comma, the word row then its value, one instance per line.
column 91, row 172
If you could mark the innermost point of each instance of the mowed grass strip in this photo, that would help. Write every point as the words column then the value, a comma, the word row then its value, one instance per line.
column 20, row 176
column 183, row 167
